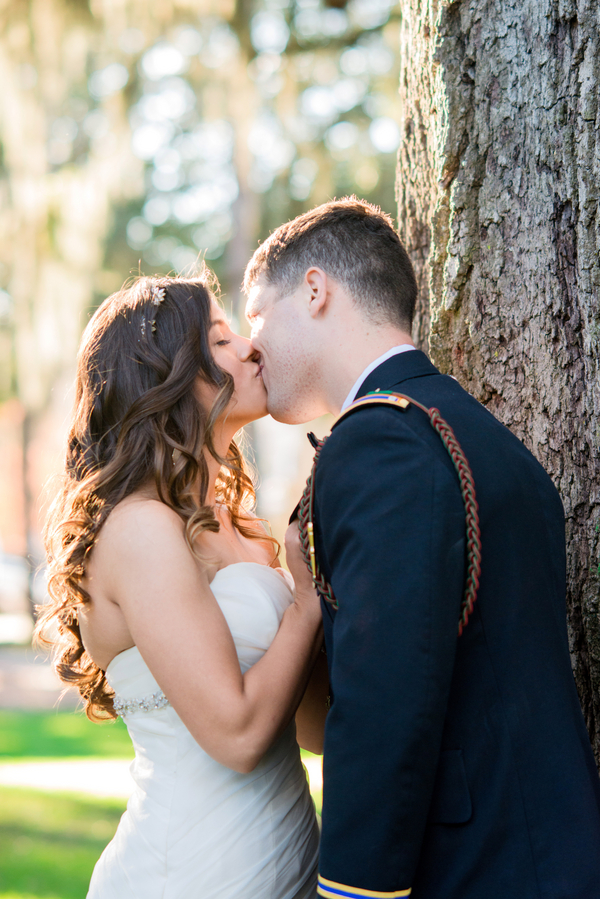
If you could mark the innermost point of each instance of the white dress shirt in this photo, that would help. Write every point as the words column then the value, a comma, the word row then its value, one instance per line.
column 375, row 364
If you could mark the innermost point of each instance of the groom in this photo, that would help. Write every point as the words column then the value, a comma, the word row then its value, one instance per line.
column 454, row 767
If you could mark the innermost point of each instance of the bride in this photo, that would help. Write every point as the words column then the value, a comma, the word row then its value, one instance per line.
column 168, row 606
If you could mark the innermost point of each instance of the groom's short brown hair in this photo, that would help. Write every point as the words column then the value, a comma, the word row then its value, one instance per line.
column 354, row 242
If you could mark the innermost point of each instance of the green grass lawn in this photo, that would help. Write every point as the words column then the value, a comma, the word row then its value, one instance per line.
column 49, row 842
column 38, row 735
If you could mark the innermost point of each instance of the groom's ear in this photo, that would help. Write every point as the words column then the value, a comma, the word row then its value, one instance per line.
column 317, row 287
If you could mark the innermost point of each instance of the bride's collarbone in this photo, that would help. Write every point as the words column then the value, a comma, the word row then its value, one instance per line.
column 224, row 560
column 229, row 547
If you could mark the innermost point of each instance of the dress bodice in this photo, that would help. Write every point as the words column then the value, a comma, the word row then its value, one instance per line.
column 195, row 829
column 253, row 613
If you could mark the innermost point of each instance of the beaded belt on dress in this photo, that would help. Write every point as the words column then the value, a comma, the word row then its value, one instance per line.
column 150, row 703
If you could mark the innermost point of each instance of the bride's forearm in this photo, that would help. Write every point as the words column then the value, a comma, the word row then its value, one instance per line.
column 279, row 702
column 270, row 693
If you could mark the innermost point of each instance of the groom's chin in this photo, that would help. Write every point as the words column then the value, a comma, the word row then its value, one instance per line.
column 286, row 418
column 295, row 407
column 292, row 416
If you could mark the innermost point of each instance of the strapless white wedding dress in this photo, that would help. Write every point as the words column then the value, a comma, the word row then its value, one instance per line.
column 194, row 829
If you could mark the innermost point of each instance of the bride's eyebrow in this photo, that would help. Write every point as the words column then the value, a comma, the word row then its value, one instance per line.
column 218, row 321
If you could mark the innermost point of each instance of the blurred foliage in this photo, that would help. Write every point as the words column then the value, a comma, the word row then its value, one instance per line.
column 241, row 121
column 141, row 137
column 191, row 134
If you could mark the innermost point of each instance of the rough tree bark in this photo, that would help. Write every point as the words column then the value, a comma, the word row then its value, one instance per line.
column 498, row 183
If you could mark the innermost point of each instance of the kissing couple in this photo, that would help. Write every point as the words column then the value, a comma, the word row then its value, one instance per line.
column 456, row 760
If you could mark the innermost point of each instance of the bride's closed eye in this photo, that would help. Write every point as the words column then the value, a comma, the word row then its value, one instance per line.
column 222, row 342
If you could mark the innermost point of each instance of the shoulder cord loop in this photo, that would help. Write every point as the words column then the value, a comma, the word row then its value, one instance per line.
column 467, row 489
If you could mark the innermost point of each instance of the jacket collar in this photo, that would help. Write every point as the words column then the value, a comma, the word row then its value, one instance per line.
column 394, row 371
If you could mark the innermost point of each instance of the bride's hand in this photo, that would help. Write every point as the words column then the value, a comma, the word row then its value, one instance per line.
column 305, row 593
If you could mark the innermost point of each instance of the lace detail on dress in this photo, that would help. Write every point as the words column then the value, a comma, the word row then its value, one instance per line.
column 150, row 703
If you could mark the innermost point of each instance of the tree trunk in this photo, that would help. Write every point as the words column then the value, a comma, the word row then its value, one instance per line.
column 498, row 182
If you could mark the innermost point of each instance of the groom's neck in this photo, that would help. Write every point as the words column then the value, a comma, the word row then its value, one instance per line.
column 351, row 354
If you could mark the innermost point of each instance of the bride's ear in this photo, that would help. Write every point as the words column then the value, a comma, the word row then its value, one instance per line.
column 317, row 289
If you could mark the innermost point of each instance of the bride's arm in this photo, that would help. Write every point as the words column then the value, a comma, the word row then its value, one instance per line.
column 312, row 711
column 181, row 633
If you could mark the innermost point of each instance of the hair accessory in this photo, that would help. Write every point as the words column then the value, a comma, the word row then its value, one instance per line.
column 157, row 295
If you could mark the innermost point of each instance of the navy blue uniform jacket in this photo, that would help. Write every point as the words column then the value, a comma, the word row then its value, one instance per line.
column 454, row 767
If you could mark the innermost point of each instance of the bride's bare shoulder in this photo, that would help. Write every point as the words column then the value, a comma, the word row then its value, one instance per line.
column 132, row 547
column 138, row 520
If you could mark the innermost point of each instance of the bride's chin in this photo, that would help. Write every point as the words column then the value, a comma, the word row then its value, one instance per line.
column 261, row 406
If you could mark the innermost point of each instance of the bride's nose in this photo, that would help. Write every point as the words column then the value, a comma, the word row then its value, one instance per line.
column 246, row 351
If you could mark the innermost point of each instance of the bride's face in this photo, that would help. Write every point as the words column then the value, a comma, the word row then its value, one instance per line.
column 235, row 354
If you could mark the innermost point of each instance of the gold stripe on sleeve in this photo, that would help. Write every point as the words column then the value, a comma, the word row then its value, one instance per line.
column 332, row 890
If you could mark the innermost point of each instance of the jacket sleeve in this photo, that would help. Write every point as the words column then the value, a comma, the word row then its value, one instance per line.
column 391, row 533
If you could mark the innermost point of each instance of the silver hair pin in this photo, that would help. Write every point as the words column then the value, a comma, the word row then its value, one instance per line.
column 157, row 295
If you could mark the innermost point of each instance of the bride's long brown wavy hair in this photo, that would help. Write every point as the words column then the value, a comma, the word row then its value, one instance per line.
column 136, row 421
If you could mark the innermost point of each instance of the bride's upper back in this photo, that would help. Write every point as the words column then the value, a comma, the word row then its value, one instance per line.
column 104, row 629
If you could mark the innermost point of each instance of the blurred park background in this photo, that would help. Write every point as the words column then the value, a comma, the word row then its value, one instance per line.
column 143, row 137
column 136, row 138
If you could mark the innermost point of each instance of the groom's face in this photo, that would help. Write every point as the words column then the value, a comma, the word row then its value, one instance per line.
column 281, row 334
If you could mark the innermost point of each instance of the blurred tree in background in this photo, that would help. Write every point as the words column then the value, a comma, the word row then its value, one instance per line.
column 243, row 120
column 141, row 137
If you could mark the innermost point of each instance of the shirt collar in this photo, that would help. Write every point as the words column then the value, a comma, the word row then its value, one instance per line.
column 404, row 348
